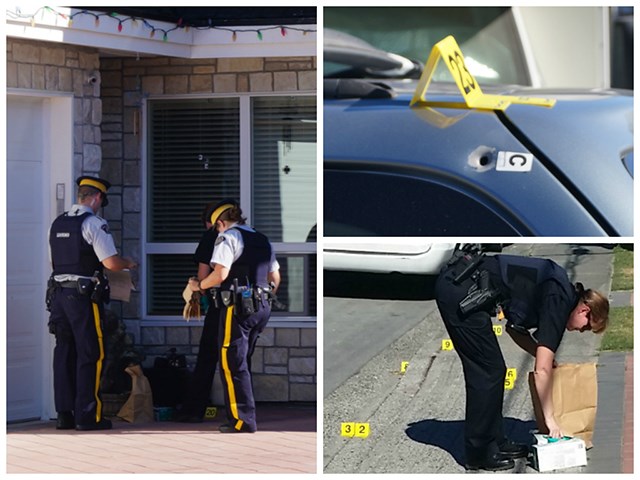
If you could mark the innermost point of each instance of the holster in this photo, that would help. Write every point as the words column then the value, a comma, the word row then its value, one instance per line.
column 101, row 292
column 480, row 296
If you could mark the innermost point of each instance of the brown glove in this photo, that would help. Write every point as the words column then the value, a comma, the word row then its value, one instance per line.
column 192, row 305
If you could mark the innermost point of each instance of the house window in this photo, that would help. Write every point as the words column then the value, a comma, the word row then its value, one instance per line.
column 260, row 150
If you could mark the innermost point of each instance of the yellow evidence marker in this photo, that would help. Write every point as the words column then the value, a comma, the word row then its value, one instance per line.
column 403, row 367
column 497, row 329
column 449, row 51
column 510, row 379
column 362, row 430
column 348, row 429
column 447, row 344
column 210, row 412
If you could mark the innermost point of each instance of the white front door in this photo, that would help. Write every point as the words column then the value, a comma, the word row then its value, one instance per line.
column 26, row 258
column 39, row 166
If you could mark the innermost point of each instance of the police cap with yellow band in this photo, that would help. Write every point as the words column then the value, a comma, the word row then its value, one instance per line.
column 221, row 207
column 98, row 183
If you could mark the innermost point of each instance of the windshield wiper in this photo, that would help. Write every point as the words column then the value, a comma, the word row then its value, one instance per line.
column 364, row 59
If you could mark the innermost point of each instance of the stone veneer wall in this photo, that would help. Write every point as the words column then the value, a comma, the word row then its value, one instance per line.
column 58, row 68
column 284, row 363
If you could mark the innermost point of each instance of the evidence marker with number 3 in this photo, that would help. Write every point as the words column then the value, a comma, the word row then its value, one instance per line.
column 448, row 50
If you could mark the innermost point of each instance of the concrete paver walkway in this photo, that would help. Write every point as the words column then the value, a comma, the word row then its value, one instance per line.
column 285, row 443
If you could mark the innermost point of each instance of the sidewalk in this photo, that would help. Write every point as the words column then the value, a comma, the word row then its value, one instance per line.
column 285, row 443
column 613, row 434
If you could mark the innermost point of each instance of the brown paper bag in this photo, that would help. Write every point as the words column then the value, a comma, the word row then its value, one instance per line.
column 575, row 400
column 139, row 406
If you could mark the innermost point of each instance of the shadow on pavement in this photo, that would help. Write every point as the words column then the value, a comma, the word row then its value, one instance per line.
column 449, row 434
column 395, row 286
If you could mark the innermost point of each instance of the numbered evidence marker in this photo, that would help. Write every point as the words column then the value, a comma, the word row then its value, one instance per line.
column 210, row 412
column 447, row 344
column 403, row 367
column 510, row 379
column 362, row 430
column 348, row 429
column 497, row 329
column 448, row 50
column 352, row 429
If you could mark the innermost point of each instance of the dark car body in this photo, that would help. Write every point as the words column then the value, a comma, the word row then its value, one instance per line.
column 394, row 170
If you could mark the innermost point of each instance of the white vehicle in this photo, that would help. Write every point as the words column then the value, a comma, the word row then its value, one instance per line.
column 387, row 255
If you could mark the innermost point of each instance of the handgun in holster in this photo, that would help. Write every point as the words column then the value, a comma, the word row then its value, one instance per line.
column 481, row 295
column 273, row 298
column 101, row 292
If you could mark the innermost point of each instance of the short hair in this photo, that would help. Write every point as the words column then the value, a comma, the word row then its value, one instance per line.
column 86, row 191
column 598, row 305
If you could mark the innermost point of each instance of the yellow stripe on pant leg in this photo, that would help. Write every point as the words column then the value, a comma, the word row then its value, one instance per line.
column 96, row 319
column 225, row 364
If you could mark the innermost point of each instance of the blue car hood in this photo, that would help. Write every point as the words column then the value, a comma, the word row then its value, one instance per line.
column 578, row 144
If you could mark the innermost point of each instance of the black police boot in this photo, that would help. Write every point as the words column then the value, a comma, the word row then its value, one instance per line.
column 103, row 424
column 65, row 421
column 226, row 428
column 493, row 463
column 510, row 449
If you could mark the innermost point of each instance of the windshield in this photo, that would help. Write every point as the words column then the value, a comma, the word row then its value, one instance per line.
column 487, row 36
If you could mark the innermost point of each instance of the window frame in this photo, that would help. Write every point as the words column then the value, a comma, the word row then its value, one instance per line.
column 246, row 193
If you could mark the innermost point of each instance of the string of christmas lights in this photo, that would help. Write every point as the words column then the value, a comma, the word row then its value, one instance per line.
column 180, row 25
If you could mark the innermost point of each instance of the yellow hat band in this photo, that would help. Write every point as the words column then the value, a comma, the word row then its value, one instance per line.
column 219, row 211
column 93, row 183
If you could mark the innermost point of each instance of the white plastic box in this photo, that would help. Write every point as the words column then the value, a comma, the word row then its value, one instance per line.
column 559, row 455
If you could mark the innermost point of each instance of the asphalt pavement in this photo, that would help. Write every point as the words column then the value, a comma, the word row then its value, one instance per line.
column 415, row 418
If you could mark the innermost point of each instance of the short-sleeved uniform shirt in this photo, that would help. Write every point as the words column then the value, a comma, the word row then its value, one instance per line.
column 548, row 303
column 95, row 232
column 553, row 314
column 229, row 247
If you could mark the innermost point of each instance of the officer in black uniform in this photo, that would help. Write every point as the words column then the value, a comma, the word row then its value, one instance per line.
column 80, row 246
column 247, row 274
column 197, row 398
column 533, row 293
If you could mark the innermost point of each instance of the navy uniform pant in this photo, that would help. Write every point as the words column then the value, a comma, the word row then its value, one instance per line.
column 78, row 355
column 483, row 366
column 200, row 387
column 238, row 337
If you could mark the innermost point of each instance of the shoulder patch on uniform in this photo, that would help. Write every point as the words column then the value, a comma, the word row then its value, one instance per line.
column 105, row 227
column 220, row 239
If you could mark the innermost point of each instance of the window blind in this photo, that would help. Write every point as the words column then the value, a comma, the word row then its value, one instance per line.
column 194, row 151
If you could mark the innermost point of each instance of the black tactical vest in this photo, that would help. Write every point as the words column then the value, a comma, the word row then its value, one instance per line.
column 253, row 264
column 70, row 252
column 522, row 278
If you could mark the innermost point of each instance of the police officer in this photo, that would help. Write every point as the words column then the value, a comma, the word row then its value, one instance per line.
column 536, row 295
column 247, row 273
column 80, row 247
column 197, row 398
